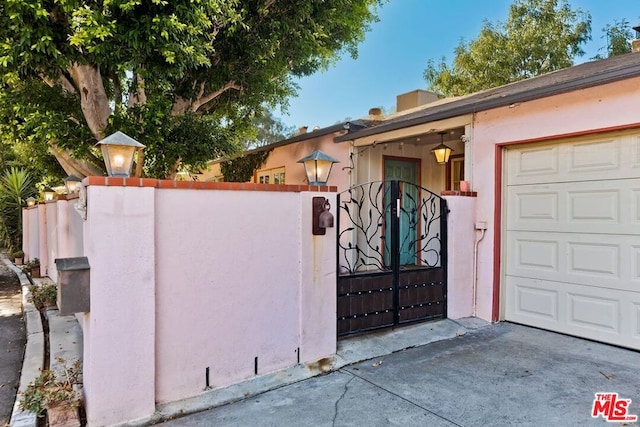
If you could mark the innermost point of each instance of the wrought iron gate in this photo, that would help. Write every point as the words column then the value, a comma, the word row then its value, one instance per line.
column 392, row 249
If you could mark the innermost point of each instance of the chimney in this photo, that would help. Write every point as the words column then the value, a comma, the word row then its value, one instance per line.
column 302, row 130
column 415, row 98
column 635, row 44
column 375, row 114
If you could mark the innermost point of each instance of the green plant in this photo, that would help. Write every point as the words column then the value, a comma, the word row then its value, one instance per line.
column 16, row 185
column 43, row 296
column 31, row 265
column 34, row 263
column 50, row 389
column 18, row 254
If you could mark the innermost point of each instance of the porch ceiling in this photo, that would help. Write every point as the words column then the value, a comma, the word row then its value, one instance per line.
column 431, row 137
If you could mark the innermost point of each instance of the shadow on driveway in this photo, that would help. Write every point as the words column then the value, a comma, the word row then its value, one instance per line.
column 500, row 375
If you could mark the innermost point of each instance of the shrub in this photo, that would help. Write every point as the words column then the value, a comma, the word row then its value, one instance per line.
column 43, row 296
column 49, row 389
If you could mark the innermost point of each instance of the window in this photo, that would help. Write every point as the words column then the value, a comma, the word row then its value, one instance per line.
column 455, row 172
column 271, row 176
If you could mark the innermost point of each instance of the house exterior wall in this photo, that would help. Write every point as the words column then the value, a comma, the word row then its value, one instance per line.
column 287, row 156
column 597, row 109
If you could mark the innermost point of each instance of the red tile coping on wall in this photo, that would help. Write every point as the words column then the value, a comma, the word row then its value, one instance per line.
column 459, row 193
column 68, row 196
column 105, row 181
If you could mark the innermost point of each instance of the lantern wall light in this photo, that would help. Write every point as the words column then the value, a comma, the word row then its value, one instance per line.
column 118, row 150
column 49, row 194
column 72, row 183
column 442, row 152
column 31, row 201
column 317, row 165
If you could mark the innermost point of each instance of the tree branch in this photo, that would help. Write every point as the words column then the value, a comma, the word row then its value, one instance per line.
column 182, row 105
column 203, row 99
column 71, row 166
column 63, row 81
column 139, row 96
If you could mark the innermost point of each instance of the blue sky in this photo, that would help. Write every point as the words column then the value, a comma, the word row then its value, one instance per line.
column 395, row 52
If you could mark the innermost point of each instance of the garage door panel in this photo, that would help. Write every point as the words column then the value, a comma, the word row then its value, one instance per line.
column 593, row 312
column 581, row 160
column 575, row 310
column 611, row 206
column 577, row 258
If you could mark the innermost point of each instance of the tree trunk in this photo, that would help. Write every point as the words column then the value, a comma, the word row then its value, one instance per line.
column 93, row 97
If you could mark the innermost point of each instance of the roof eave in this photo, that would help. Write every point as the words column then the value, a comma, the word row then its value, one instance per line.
column 463, row 107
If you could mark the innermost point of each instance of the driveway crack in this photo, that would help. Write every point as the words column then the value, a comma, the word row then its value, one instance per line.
column 335, row 406
column 403, row 398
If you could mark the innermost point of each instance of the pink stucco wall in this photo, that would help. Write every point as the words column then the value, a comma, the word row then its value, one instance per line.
column 30, row 233
column 51, row 214
column 592, row 110
column 235, row 270
column 119, row 332
column 184, row 279
column 460, row 255
column 52, row 230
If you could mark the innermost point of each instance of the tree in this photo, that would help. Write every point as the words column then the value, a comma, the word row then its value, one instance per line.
column 183, row 77
column 268, row 130
column 618, row 37
column 539, row 36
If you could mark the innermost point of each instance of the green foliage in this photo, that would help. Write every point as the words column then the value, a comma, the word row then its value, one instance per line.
column 49, row 389
column 34, row 263
column 16, row 186
column 539, row 36
column 42, row 296
column 618, row 37
column 219, row 60
column 241, row 168
column 268, row 130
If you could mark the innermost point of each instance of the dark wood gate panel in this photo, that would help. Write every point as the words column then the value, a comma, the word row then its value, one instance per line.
column 391, row 256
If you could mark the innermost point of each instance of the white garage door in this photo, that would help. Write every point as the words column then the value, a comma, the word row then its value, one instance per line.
column 573, row 237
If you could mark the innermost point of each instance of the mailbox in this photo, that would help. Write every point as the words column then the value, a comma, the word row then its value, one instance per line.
column 73, row 285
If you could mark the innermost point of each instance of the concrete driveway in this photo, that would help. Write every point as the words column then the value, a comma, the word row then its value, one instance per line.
column 500, row 375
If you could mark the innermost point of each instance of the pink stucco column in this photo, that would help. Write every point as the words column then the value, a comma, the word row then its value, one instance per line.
column 32, row 236
column 42, row 241
column 62, row 230
column 26, row 232
column 119, row 331
column 461, row 237
column 317, row 284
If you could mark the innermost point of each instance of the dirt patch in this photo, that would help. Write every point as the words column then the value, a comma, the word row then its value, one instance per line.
column 12, row 340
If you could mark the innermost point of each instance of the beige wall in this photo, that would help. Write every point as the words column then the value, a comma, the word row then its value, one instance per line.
column 287, row 156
